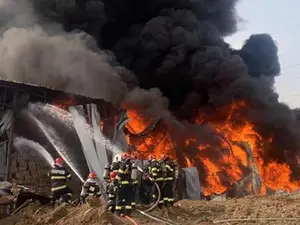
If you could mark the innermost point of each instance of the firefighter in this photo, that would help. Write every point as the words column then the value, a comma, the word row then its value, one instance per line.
column 112, row 193
column 123, row 181
column 59, row 180
column 156, row 174
column 146, row 188
column 90, row 187
column 135, row 182
column 115, row 166
column 170, row 175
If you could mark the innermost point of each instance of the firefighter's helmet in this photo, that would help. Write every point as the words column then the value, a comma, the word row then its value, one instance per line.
column 125, row 156
column 151, row 157
column 59, row 161
column 92, row 175
column 112, row 175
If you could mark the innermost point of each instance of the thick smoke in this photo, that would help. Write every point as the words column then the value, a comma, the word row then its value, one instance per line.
column 173, row 46
column 33, row 51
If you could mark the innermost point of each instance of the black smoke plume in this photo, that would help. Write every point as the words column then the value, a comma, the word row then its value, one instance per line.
column 178, row 47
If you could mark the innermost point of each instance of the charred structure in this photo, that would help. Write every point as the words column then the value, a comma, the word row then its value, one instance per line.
column 22, row 113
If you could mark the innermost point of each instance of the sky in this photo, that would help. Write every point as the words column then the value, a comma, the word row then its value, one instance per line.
column 282, row 22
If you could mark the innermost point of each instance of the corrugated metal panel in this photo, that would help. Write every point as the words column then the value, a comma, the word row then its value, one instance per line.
column 5, row 124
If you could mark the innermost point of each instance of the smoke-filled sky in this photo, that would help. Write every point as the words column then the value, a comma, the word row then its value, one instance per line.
column 281, row 20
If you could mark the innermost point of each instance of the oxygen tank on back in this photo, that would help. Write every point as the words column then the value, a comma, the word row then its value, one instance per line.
column 162, row 166
column 134, row 172
column 176, row 173
column 106, row 172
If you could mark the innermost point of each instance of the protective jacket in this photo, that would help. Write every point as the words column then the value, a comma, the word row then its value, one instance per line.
column 90, row 188
column 155, row 170
column 125, row 188
column 115, row 167
column 170, row 167
column 170, row 175
column 59, row 178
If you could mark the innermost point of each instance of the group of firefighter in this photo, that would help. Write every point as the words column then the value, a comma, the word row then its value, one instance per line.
column 122, row 182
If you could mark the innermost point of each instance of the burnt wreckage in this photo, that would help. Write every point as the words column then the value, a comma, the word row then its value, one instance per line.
column 35, row 118
column 22, row 115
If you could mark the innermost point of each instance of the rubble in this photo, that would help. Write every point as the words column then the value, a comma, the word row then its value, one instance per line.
column 266, row 210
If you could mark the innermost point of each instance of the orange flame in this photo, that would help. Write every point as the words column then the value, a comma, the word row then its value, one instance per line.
column 231, row 164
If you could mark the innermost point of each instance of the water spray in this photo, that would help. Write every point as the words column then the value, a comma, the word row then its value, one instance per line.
column 57, row 148
column 19, row 142
column 66, row 118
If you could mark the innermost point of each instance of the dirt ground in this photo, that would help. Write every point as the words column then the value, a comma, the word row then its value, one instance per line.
column 282, row 208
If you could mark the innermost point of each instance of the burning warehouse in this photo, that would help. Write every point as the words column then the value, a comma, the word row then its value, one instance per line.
column 36, row 127
column 187, row 93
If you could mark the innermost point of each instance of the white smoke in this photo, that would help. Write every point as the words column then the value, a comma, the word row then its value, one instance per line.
column 38, row 53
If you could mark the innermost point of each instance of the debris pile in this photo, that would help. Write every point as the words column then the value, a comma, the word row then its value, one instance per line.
column 276, row 209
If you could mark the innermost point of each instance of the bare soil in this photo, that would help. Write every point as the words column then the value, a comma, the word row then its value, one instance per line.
column 272, row 210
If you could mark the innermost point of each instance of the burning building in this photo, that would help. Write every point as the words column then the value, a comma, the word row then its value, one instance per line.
column 186, row 91
column 37, row 127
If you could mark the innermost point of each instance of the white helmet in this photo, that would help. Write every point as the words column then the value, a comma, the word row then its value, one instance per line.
column 117, row 158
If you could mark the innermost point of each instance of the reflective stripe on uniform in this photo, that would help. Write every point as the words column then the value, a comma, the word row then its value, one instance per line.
column 169, row 178
column 159, row 179
column 58, row 188
column 128, row 207
column 166, row 199
column 58, row 177
column 169, row 167
column 124, row 182
column 135, row 182
column 69, row 175
column 121, row 171
column 111, row 196
column 133, row 203
column 171, row 199
column 118, row 207
column 154, row 174
column 153, row 169
column 118, row 178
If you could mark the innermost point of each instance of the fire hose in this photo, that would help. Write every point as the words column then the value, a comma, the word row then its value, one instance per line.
column 158, row 190
column 145, row 212
column 131, row 220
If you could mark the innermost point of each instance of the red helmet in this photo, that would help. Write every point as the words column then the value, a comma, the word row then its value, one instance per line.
column 92, row 175
column 151, row 157
column 125, row 155
column 59, row 161
column 112, row 175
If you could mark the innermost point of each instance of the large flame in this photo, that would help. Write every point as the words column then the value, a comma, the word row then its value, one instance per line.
column 219, row 166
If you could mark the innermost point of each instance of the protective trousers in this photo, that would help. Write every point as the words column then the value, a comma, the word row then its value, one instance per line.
column 134, row 194
column 64, row 194
column 111, row 202
column 124, row 200
column 168, row 193
column 155, row 193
